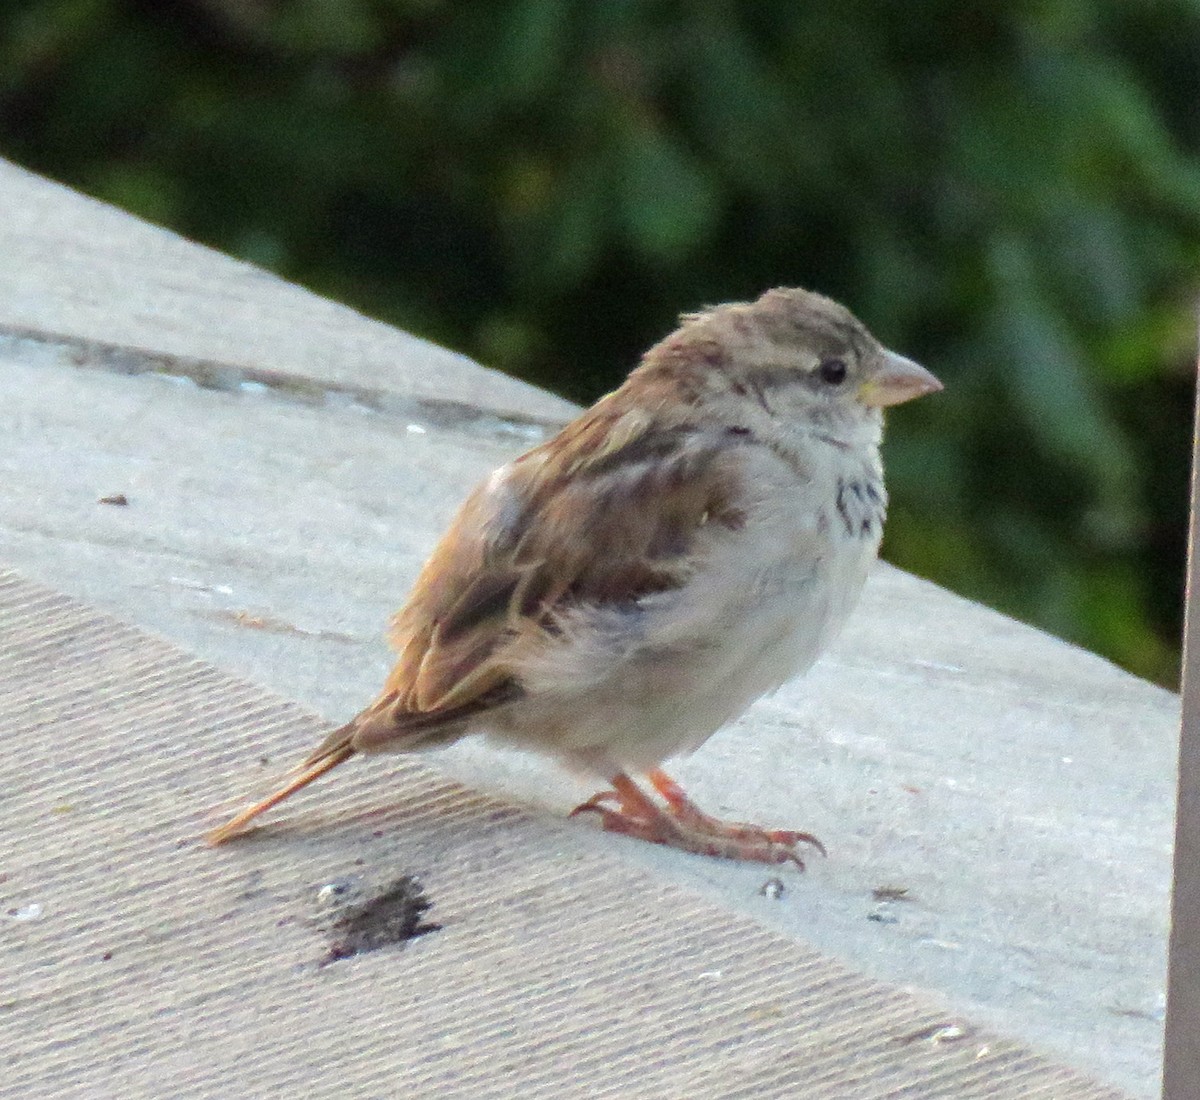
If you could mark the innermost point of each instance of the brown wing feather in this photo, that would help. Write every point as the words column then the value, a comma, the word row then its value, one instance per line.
column 606, row 512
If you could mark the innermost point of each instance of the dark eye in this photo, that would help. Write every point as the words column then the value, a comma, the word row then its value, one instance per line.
column 832, row 371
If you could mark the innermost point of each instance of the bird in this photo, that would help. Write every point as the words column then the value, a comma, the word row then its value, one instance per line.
column 620, row 592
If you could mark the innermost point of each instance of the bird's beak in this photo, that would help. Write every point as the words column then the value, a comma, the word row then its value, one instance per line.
column 897, row 380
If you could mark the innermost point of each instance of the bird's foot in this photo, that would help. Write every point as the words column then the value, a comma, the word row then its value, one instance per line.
column 681, row 824
column 688, row 813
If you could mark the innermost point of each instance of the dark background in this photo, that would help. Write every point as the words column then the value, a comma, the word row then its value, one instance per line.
column 1008, row 191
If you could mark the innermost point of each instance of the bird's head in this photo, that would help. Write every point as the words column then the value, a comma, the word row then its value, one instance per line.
column 795, row 354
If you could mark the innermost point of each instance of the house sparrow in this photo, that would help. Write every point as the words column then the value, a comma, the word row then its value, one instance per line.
column 617, row 594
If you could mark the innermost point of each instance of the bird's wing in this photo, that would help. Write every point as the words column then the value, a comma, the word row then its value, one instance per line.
column 613, row 509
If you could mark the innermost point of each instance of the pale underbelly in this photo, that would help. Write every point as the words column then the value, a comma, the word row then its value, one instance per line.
column 657, row 702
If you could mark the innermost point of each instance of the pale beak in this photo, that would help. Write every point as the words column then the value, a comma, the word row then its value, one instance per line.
column 897, row 380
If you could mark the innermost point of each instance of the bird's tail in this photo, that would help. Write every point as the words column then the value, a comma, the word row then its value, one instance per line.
column 336, row 749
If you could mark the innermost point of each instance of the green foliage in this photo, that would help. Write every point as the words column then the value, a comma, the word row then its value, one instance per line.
column 1008, row 191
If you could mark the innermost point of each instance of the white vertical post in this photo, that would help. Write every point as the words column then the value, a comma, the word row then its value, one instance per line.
column 1181, row 1062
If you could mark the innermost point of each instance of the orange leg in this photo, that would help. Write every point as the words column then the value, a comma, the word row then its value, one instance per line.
column 681, row 824
column 689, row 813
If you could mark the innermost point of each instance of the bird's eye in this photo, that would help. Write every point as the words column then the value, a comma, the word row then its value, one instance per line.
column 832, row 371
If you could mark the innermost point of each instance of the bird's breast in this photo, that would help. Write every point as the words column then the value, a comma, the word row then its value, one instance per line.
column 859, row 505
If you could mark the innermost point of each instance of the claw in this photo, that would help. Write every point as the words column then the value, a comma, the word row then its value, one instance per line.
column 595, row 804
column 684, row 825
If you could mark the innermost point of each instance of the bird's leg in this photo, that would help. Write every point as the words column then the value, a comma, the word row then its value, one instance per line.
column 684, row 810
column 682, row 825
column 633, row 813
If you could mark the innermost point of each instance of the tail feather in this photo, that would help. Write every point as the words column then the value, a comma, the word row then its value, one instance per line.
column 381, row 726
column 336, row 749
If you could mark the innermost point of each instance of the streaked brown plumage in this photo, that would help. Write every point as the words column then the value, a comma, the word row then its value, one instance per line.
column 615, row 595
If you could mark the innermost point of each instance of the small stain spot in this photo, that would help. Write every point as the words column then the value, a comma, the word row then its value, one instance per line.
column 334, row 890
column 1135, row 1013
column 391, row 915
column 119, row 499
column 106, row 956
column 773, row 888
column 946, row 1032
column 269, row 624
column 890, row 892
column 765, row 1012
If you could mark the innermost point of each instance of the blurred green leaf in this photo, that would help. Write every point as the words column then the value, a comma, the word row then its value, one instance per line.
column 1061, row 403
column 668, row 201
